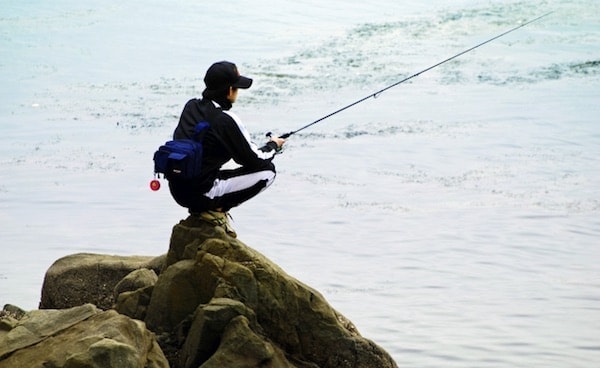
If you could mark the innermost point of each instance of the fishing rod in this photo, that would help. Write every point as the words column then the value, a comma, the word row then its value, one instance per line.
column 376, row 94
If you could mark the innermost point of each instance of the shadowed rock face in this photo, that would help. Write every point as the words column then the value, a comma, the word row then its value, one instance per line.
column 212, row 301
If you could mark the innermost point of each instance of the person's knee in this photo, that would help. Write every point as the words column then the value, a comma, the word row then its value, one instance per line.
column 270, row 177
column 269, row 165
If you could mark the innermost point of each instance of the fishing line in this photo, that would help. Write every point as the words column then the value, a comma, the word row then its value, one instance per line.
column 378, row 93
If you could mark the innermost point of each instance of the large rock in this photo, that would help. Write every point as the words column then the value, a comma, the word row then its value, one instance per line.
column 213, row 284
column 79, row 337
column 133, row 293
column 211, row 300
column 89, row 278
column 241, row 347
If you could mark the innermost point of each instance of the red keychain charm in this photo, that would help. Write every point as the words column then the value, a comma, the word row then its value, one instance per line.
column 154, row 185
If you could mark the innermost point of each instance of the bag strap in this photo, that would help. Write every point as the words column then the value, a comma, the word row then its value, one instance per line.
column 200, row 130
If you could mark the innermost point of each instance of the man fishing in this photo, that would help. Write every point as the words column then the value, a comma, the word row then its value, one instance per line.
column 216, row 190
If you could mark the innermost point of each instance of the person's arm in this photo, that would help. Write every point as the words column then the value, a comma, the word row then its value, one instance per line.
column 237, row 140
column 275, row 143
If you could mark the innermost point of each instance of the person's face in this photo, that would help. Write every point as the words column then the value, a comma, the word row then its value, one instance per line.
column 232, row 95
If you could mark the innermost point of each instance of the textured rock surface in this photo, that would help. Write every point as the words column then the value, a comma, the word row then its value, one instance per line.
column 211, row 301
column 89, row 278
column 212, row 284
column 79, row 337
column 133, row 293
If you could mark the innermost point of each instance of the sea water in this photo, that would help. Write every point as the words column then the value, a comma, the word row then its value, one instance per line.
column 454, row 218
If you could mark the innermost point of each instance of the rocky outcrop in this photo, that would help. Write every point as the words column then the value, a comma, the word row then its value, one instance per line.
column 212, row 284
column 89, row 278
column 77, row 337
column 211, row 301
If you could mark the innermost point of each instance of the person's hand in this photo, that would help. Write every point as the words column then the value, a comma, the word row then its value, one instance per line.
column 278, row 141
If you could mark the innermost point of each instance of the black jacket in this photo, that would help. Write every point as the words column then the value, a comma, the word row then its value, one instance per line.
column 226, row 139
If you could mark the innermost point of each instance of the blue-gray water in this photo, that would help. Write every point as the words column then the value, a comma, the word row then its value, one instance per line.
column 454, row 219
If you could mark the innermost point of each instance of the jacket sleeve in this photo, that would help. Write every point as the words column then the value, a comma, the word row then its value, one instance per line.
column 269, row 146
column 236, row 138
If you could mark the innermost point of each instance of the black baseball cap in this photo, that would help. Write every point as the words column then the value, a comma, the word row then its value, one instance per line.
column 225, row 74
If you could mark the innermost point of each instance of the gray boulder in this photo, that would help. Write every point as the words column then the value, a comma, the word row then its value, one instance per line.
column 89, row 278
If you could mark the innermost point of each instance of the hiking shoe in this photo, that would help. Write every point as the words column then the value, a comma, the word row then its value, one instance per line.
column 220, row 219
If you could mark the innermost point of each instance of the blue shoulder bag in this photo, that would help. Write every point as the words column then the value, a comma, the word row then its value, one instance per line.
column 181, row 158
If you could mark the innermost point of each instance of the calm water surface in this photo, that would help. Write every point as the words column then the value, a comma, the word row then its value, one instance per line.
column 454, row 219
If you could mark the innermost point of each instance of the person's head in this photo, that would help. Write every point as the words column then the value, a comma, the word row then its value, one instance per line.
column 222, row 81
